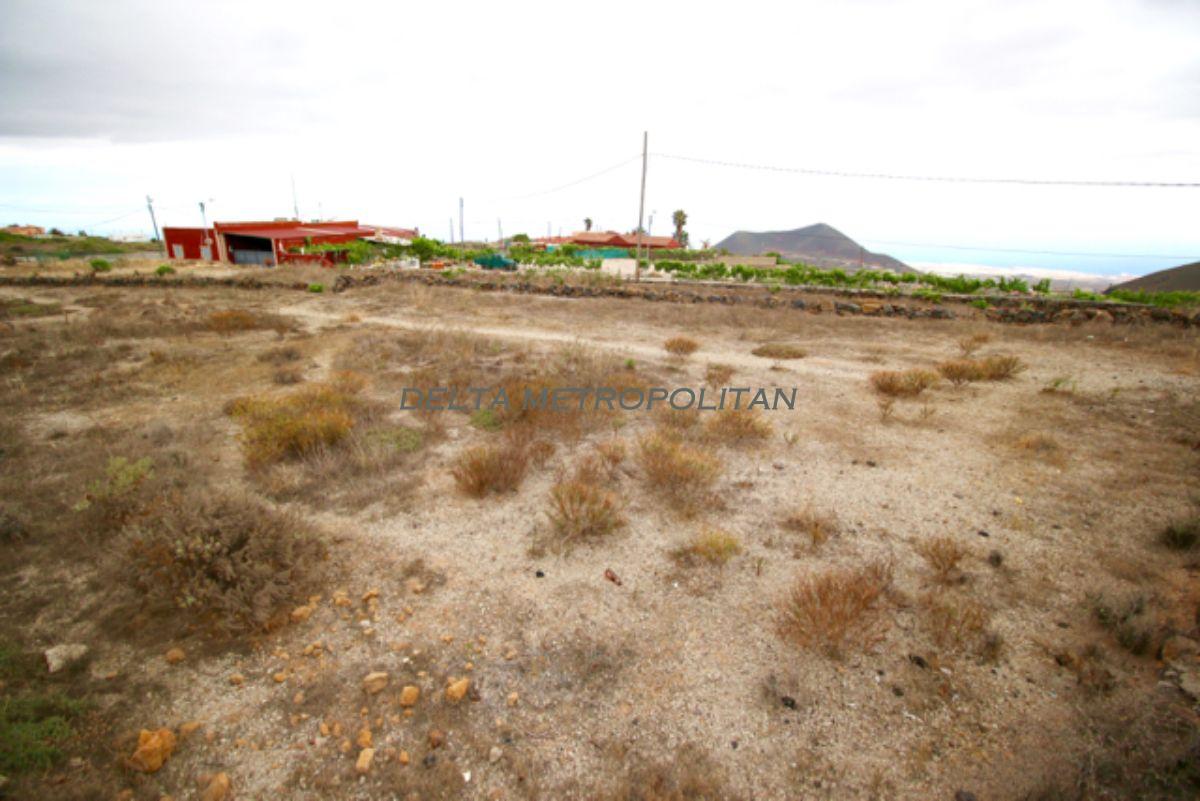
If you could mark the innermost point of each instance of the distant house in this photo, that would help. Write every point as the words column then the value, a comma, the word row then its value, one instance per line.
column 25, row 230
column 276, row 242
column 612, row 239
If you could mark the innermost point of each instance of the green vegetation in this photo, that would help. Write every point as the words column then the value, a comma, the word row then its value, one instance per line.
column 34, row 725
column 316, row 288
column 100, row 265
column 164, row 269
column 60, row 246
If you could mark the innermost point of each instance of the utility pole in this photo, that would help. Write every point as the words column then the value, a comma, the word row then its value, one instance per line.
column 451, row 230
column 500, row 232
column 295, row 205
column 637, row 253
column 154, row 222
column 461, row 236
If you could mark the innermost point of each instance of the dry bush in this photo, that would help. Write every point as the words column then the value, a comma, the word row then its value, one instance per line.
column 583, row 511
column 1129, row 620
column 712, row 546
column 299, row 424
column 611, row 454
column 718, row 375
column 887, row 409
column 780, row 350
column 1181, row 535
column 960, row 624
column 676, row 423
column 999, row 368
column 280, row 356
column 229, row 321
column 903, row 383
column 1040, row 445
column 681, row 346
column 836, row 610
column 287, row 376
column 682, row 474
column 493, row 468
column 970, row 344
column 960, row 371
column 815, row 526
column 228, row 560
column 942, row 554
column 737, row 427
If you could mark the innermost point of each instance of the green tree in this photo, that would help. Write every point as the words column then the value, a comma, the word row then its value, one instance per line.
column 680, row 220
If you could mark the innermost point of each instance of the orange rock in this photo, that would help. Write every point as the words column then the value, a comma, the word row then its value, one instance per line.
column 375, row 682
column 364, row 738
column 436, row 738
column 175, row 656
column 403, row 758
column 154, row 747
column 188, row 728
column 237, row 679
column 301, row 614
column 456, row 691
column 409, row 695
column 363, row 764
column 217, row 789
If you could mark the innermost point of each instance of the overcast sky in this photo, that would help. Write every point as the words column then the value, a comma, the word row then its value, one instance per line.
column 390, row 112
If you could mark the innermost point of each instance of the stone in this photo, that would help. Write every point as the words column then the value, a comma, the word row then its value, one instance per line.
column 457, row 690
column 189, row 728
column 363, row 763
column 375, row 682
column 403, row 758
column 280, row 677
column 437, row 738
column 1179, row 647
column 217, row 789
column 62, row 656
column 175, row 656
column 513, row 698
column 409, row 695
column 364, row 739
column 495, row 754
column 1189, row 682
column 153, row 749
column 301, row 613
column 237, row 679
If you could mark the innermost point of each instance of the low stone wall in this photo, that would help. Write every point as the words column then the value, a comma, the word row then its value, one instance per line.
column 870, row 303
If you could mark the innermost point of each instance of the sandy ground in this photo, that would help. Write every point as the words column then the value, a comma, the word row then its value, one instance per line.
column 577, row 680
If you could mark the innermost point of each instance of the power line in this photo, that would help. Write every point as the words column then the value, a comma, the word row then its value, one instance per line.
column 929, row 178
column 578, row 181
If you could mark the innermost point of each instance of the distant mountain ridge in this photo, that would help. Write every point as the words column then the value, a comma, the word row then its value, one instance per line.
column 1184, row 278
column 820, row 245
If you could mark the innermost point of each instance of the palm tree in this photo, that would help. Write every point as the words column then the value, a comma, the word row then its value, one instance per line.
column 680, row 220
column 587, row 223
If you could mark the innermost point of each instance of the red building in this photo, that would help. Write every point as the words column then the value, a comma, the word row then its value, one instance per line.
column 270, row 243
column 612, row 239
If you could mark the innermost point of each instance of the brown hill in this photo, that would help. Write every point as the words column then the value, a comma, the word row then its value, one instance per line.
column 1184, row 278
column 820, row 245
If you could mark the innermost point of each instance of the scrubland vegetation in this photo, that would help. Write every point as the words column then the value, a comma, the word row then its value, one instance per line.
column 318, row 590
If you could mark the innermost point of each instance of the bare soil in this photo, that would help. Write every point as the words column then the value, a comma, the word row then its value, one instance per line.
column 675, row 682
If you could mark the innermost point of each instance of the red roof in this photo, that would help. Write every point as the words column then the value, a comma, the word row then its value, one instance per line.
column 614, row 239
column 293, row 229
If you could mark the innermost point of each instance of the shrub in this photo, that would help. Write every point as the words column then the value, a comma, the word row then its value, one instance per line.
column 960, row 624
column 32, row 729
column 164, row 269
column 818, row 528
column 112, row 500
column 968, row 345
column 714, row 546
column 611, row 454
column 835, row 610
column 583, row 511
column 682, row 474
column 494, row 468
column 903, row 383
column 960, row 371
column 485, row 420
column 942, row 554
column 1126, row 620
column 718, row 375
column 737, row 427
column 300, row 424
column 230, row 320
column 1181, row 535
column 681, row 346
column 228, row 559
column 999, row 368
column 286, row 376
column 100, row 265
column 316, row 288
column 780, row 350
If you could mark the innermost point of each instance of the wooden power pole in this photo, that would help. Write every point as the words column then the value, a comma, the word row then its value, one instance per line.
column 637, row 253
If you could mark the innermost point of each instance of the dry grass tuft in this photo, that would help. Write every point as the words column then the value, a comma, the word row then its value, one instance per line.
column 233, row 320
column 969, row 345
column 942, row 554
column 903, row 383
column 718, row 375
column 583, row 511
column 960, row 371
column 836, row 610
column 1000, row 368
column 713, row 546
column 1182, row 535
column 818, row 528
column 300, row 424
column 737, row 427
column 681, row 346
column 990, row 368
column 960, row 624
column 682, row 474
column 780, row 350
column 493, row 468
